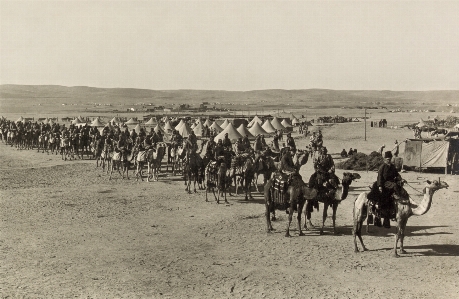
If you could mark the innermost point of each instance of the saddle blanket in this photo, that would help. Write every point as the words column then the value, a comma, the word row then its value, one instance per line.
column 142, row 156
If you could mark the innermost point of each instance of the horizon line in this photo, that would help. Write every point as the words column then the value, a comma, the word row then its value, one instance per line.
column 223, row 90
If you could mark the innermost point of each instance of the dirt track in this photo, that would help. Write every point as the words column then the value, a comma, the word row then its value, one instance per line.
column 66, row 231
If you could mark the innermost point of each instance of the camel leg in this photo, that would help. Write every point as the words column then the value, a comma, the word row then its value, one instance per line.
column 149, row 174
column 334, row 207
column 300, row 211
column 267, row 214
column 307, row 214
column 324, row 217
column 293, row 196
column 401, row 225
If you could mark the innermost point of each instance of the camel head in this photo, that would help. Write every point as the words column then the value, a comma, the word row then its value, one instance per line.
column 348, row 177
column 435, row 186
column 301, row 157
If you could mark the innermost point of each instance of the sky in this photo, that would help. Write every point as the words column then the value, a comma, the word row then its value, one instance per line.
column 231, row 45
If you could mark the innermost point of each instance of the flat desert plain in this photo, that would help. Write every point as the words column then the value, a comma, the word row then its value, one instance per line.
column 69, row 232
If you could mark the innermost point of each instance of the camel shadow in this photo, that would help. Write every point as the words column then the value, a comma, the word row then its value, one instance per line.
column 409, row 230
column 428, row 250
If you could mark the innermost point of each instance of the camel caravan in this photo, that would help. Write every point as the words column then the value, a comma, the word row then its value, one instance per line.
column 222, row 158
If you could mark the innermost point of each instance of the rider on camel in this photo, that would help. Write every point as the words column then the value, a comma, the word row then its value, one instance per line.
column 324, row 176
column 227, row 142
column 239, row 147
column 389, row 185
column 291, row 142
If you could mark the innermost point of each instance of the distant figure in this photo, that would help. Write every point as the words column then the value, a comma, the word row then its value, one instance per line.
column 381, row 149
column 350, row 152
column 343, row 153
column 396, row 149
column 354, row 152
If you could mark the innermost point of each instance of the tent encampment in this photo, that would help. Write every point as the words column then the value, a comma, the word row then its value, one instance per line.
column 168, row 126
column 198, row 129
column 244, row 131
column 151, row 122
column 185, row 130
column 225, row 124
column 430, row 153
column 208, row 123
column 268, row 127
column 295, row 121
column 276, row 124
column 256, row 129
column 216, row 127
column 256, row 119
column 158, row 129
column 285, row 123
column 233, row 134
column 97, row 123
column 180, row 124
column 131, row 122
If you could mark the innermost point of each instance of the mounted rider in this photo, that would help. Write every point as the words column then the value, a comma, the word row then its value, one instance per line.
column 291, row 142
column 227, row 142
column 389, row 184
column 324, row 179
column 239, row 147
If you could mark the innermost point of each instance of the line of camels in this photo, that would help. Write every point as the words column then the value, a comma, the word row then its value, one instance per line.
column 299, row 194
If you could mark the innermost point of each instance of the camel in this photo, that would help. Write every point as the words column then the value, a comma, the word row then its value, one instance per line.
column 404, row 212
column 192, row 165
column 267, row 171
column 120, row 161
column 295, row 192
column 216, row 177
column 332, row 201
column 154, row 159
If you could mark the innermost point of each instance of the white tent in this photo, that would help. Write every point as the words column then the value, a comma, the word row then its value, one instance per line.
column 268, row 127
column 151, row 122
column 295, row 121
column 286, row 124
column 256, row 129
column 193, row 125
column 180, row 124
column 115, row 120
column 244, row 131
column 198, row 129
column 225, row 124
column 158, row 129
column 207, row 123
column 276, row 124
column 185, row 130
column 168, row 126
column 131, row 122
column 256, row 119
column 217, row 127
column 20, row 119
column 97, row 123
column 137, row 129
column 233, row 134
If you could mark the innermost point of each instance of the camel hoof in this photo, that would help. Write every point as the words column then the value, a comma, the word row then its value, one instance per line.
column 403, row 251
column 396, row 255
column 321, row 232
column 301, row 234
column 273, row 218
column 287, row 235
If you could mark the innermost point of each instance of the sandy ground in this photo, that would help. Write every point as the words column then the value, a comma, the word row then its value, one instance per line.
column 68, row 232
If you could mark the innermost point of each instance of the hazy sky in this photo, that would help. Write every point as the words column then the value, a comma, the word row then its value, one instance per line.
column 229, row 45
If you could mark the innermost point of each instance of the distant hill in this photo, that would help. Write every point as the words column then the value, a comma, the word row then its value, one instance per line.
column 272, row 97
